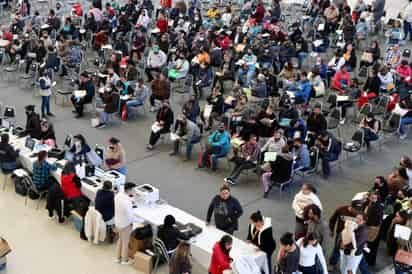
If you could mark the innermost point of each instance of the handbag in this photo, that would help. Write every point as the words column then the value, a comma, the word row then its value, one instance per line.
column 4, row 247
column 373, row 232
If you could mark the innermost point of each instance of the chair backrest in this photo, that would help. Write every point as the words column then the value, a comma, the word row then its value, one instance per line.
column 314, row 157
column 383, row 101
column 160, row 250
column 394, row 121
column 358, row 136
column 365, row 109
column 332, row 99
column 336, row 114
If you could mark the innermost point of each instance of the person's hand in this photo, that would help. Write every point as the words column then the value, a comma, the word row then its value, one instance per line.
column 161, row 123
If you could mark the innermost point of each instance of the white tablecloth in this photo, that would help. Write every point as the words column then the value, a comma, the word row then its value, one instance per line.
column 203, row 243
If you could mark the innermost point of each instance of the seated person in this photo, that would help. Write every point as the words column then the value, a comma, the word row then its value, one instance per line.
column 104, row 202
column 42, row 172
column 316, row 123
column 405, row 72
column 259, row 87
column 387, row 81
column 393, row 56
column 371, row 128
column 341, row 80
column 79, row 149
column 247, row 159
column 71, row 187
column 214, row 107
column 301, row 154
column 169, row 234
column 274, row 143
column 296, row 129
column 164, row 120
column 139, row 97
column 218, row 146
column 33, row 128
column 79, row 102
column 248, row 68
column 160, row 90
column 155, row 61
column 179, row 68
column 267, row 122
column 191, row 108
column 204, row 79
column 8, row 156
column 304, row 89
column 111, row 99
column 329, row 150
column 280, row 170
column 47, row 134
column 188, row 132
column 115, row 156
column 73, row 58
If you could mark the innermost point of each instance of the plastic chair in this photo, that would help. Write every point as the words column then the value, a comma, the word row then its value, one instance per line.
column 314, row 160
column 161, row 254
column 358, row 139
column 391, row 126
column 32, row 187
column 333, row 120
column 363, row 111
column 381, row 107
column 6, row 175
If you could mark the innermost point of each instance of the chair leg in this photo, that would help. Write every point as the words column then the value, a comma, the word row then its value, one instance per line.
column 5, row 181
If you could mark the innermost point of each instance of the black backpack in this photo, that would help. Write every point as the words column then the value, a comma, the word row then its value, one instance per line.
column 21, row 185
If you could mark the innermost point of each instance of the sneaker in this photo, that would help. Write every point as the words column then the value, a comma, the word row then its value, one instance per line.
column 172, row 153
column 117, row 261
column 265, row 195
column 124, row 262
column 101, row 125
column 149, row 147
column 342, row 122
column 50, row 114
column 152, row 109
column 403, row 136
column 229, row 181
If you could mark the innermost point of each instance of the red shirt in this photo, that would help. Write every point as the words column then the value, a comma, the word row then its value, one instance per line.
column 405, row 72
column 220, row 261
column 161, row 24
column 69, row 188
column 7, row 35
column 338, row 78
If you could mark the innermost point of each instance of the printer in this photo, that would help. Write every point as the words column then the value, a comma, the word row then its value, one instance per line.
column 147, row 194
column 116, row 177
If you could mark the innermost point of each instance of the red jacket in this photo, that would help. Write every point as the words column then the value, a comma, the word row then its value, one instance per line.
column 162, row 25
column 219, row 261
column 405, row 72
column 338, row 78
column 69, row 188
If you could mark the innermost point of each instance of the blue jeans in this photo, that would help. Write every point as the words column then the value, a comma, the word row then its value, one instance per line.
column 250, row 73
column 301, row 58
column 407, row 29
column 45, row 104
column 104, row 117
column 133, row 103
column 326, row 159
column 404, row 121
column 189, row 145
column 10, row 166
column 335, row 256
column 363, row 266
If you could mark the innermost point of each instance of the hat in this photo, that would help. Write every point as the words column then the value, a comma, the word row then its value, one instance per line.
column 29, row 107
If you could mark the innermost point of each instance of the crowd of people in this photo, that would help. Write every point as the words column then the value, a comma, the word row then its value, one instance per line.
column 261, row 89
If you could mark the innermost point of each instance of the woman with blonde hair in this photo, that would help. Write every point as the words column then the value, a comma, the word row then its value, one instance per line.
column 180, row 261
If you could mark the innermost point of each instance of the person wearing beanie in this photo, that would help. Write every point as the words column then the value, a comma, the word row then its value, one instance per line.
column 169, row 234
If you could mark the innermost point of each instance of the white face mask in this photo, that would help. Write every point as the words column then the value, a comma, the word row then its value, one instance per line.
column 78, row 146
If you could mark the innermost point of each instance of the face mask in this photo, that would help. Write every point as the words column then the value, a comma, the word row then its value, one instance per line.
column 221, row 130
column 78, row 145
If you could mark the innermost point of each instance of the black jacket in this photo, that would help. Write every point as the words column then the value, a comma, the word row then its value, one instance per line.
column 33, row 126
column 104, row 203
column 170, row 236
column 227, row 212
column 263, row 239
column 281, row 169
column 165, row 115
column 316, row 124
column 7, row 154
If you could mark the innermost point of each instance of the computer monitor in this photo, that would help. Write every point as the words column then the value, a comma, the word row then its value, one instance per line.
column 30, row 143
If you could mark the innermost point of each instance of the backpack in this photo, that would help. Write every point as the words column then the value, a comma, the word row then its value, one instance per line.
column 21, row 185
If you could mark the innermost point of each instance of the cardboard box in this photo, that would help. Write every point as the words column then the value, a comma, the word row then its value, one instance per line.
column 138, row 245
column 143, row 262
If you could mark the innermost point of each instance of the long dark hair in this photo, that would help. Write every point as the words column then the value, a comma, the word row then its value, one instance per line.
column 226, row 239
column 68, row 169
column 309, row 237
column 256, row 217
column 315, row 210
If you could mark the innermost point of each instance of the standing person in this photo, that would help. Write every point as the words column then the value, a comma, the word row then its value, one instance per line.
column 227, row 211
column 352, row 253
column 288, row 255
column 310, row 252
column 104, row 202
column 45, row 93
column 33, row 128
column 407, row 21
column 316, row 225
column 220, row 259
column 374, row 216
column 115, row 156
column 336, row 225
column 123, row 219
column 306, row 196
column 260, row 234
column 180, row 262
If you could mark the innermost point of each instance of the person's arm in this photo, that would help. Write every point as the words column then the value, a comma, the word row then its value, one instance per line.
column 332, row 221
column 210, row 210
column 321, row 257
column 238, row 209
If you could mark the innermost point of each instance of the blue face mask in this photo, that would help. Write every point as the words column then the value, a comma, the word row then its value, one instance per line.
column 66, row 28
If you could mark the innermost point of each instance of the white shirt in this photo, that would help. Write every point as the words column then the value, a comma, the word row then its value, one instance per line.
column 226, row 18
column 308, row 255
column 385, row 80
column 409, row 173
column 302, row 200
column 156, row 60
column 123, row 210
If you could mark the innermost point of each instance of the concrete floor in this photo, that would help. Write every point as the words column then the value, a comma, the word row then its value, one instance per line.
column 43, row 246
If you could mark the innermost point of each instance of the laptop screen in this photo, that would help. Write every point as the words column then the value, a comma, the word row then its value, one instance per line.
column 30, row 143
